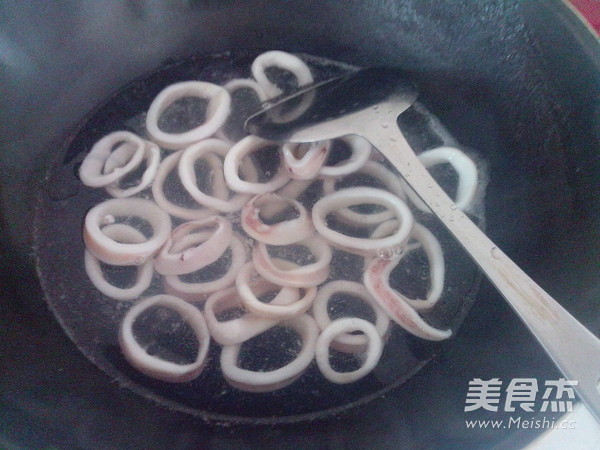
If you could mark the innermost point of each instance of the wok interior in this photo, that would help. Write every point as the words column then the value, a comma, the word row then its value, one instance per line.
column 494, row 72
column 92, row 320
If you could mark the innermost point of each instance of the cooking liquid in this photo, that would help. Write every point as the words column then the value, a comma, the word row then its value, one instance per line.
column 92, row 320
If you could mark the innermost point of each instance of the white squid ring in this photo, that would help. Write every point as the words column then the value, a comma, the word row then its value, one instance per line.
column 251, row 381
column 274, row 270
column 126, row 153
column 171, row 262
column 197, row 292
column 236, row 331
column 232, row 163
column 355, row 196
column 348, row 343
column 435, row 257
column 284, row 61
column 282, row 233
column 361, row 151
column 120, row 232
column 92, row 171
column 236, row 85
column 165, row 168
column 464, row 167
column 151, row 365
column 188, row 179
column 376, row 280
column 387, row 178
column 272, row 310
column 219, row 103
column 341, row 327
column 308, row 165
column 111, row 252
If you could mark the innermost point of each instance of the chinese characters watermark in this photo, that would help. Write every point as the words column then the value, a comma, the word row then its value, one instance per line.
column 522, row 394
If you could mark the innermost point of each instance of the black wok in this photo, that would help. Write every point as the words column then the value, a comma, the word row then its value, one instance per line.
column 517, row 80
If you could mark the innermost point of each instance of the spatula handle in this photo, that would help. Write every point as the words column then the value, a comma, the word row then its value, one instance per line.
column 572, row 347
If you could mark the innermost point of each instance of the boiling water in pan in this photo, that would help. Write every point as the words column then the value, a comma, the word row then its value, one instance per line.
column 92, row 320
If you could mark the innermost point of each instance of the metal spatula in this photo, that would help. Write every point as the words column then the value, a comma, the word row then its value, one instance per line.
column 367, row 103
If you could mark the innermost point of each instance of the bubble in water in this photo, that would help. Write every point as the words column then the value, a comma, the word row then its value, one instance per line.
column 385, row 253
column 496, row 253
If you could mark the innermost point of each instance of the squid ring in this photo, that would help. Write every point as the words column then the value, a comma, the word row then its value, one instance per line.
column 379, row 172
column 187, row 175
column 219, row 103
column 277, row 272
column 251, row 381
column 112, row 252
column 361, row 151
column 376, row 279
column 294, row 189
column 151, row 365
column 435, row 258
column 241, row 329
column 119, row 232
column 232, row 163
column 308, row 165
column 464, row 167
column 282, row 233
column 355, row 196
column 125, row 153
column 283, row 60
column 92, row 171
column 345, row 326
column 171, row 262
column 233, row 86
column 165, row 168
column 197, row 292
column 348, row 343
column 271, row 310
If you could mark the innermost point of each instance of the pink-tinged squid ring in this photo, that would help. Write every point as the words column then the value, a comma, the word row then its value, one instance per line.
column 151, row 365
column 197, row 292
column 361, row 150
column 274, row 269
column 122, row 233
column 341, row 327
column 272, row 310
column 187, row 175
column 435, row 257
column 376, row 279
column 294, row 189
column 250, row 381
column 356, row 196
column 92, row 172
column 236, row 85
column 219, row 103
column 236, row 331
column 390, row 180
column 282, row 233
column 464, row 167
column 303, row 161
column 233, row 160
column 166, row 167
column 171, row 262
column 112, row 252
column 348, row 343
column 119, row 158
column 284, row 61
